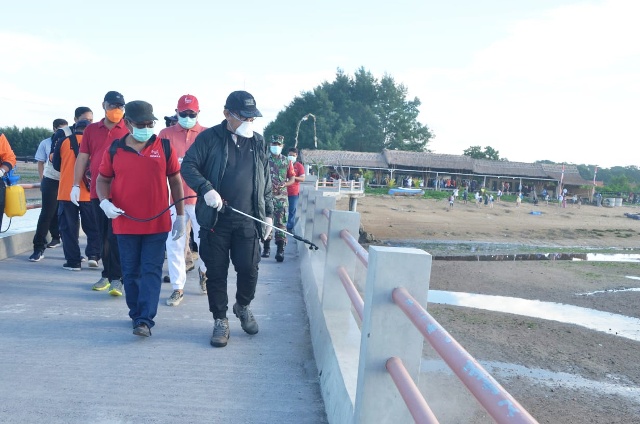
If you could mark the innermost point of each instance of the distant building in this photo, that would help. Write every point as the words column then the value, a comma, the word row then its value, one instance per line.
column 443, row 171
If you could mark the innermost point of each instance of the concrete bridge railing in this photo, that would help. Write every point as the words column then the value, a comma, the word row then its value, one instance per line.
column 367, row 352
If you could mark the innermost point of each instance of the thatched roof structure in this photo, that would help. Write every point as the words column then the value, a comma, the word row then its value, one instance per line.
column 398, row 160
column 338, row 158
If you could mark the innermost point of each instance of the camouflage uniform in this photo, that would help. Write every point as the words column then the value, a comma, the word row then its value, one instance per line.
column 281, row 170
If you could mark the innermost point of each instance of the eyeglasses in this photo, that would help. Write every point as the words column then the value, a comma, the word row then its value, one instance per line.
column 141, row 125
column 111, row 106
column 185, row 114
column 241, row 119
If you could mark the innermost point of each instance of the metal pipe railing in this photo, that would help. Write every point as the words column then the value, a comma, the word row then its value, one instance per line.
column 352, row 292
column 418, row 407
column 324, row 240
column 491, row 395
column 360, row 252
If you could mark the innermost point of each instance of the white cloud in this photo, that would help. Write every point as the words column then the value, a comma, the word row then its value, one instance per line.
column 558, row 87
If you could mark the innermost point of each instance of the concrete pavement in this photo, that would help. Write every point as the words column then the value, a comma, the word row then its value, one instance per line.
column 69, row 355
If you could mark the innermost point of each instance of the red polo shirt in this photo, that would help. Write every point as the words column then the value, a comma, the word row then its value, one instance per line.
column 95, row 140
column 294, row 189
column 139, row 186
column 181, row 139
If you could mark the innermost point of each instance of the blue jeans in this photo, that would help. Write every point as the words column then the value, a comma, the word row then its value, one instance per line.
column 141, row 259
column 293, row 204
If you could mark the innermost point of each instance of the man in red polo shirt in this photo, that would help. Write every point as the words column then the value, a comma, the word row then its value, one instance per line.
column 96, row 140
column 293, row 191
column 181, row 136
column 141, row 244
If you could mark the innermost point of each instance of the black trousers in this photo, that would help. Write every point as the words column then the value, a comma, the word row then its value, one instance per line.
column 70, row 218
column 236, row 239
column 48, row 219
column 110, row 254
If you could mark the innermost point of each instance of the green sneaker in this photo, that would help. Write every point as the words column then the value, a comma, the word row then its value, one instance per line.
column 102, row 284
column 116, row 288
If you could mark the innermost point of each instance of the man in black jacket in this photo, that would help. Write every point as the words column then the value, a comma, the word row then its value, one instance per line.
column 229, row 164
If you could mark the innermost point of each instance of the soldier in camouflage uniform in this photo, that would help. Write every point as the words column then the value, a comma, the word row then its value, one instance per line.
column 282, row 176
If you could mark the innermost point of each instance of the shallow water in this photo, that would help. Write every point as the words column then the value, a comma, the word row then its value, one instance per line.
column 606, row 322
column 502, row 370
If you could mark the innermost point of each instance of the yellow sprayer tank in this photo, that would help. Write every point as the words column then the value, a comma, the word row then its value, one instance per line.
column 15, row 202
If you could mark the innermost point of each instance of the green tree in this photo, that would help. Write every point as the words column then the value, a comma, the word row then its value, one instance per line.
column 25, row 141
column 356, row 113
column 489, row 152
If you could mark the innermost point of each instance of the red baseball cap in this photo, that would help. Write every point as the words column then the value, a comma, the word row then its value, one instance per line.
column 188, row 102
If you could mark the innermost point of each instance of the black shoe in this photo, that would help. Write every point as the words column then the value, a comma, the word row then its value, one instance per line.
column 280, row 252
column 54, row 243
column 266, row 250
column 142, row 330
column 37, row 255
column 166, row 279
column 247, row 321
column 220, row 335
column 72, row 267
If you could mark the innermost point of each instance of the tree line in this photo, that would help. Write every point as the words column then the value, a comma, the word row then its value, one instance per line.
column 25, row 141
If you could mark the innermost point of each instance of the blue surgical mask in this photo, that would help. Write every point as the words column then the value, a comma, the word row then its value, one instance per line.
column 142, row 134
column 292, row 159
column 187, row 122
column 276, row 150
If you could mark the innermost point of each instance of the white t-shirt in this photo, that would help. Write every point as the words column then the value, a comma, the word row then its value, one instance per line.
column 42, row 155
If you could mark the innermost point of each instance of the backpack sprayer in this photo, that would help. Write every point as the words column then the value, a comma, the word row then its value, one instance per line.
column 225, row 206
column 15, row 203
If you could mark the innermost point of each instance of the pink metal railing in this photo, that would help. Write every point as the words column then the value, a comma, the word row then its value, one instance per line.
column 414, row 400
column 357, row 248
column 491, row 395
column 352, row 292
column 34, row 185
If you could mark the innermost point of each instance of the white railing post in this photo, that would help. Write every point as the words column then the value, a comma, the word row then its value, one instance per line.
column 334, row 296
column 387, row 332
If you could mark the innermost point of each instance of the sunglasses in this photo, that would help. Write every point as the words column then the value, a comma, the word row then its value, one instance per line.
column 190, row 115
column 141, row 125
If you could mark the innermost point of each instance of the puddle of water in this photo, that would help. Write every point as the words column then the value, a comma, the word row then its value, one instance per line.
column 606, row 322
column 623, row 289
column 602, row 257
column 502, row 370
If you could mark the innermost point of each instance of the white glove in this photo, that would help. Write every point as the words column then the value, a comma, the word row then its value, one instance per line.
column 75, row 195
column 110, row 209
column 267, row 230
column 213, row 199
column 178, row 227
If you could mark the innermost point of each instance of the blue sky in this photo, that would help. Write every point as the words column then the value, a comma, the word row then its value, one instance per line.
column 557, row 80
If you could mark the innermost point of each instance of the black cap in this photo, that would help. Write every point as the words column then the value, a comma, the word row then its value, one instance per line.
column 139, row 111
column 243, row 103
column 114, row 98
column 83, row 123
column 277, row 139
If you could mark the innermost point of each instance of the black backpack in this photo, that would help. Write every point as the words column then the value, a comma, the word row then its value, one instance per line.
column 166, row 147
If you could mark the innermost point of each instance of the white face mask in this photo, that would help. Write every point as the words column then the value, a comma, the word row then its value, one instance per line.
column 292, row 159
column 245, row 129
column 276, row 150
column 187, row 122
